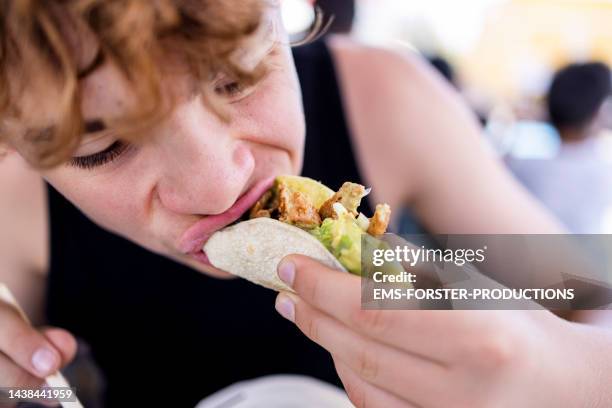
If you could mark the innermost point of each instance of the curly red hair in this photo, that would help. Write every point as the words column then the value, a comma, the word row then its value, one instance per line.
column 38, row 60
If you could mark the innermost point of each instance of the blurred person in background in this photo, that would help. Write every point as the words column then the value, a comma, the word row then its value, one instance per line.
column 576, row 184
column 99, row 210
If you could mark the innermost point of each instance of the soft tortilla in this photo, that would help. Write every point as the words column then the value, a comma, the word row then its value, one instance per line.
column 253, row 249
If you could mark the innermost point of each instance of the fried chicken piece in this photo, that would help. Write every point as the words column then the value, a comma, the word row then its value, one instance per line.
column 263, row 207
column 260, row 214
column 380, row 220
column 296, row 208
column 349, row 195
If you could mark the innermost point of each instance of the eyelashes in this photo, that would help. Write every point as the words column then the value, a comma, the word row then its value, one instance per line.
column 233, row 89
column 230, row 89
column 106, row 156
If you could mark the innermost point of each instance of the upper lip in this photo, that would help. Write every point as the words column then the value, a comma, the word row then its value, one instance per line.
column 196, row 236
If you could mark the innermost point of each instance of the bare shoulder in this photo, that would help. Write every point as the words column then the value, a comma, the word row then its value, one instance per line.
column 401, row 111
column 392, row 67
column 23, row 216
column 422, row 139
column 390, row 81
column 377, row 60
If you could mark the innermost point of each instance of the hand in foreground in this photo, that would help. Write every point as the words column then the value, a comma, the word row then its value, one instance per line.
column 423, row 358
column 27, row 355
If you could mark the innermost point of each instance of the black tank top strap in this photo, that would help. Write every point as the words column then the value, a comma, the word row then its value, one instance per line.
column 329, row 154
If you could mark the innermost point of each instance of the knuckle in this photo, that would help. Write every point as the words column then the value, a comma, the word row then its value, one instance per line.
column 312, row 328
column 313, row 290
column 375, row 322
column 367, row 364
column 498, row 349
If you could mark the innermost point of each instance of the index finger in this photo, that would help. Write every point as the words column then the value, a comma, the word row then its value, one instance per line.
column 338, row 294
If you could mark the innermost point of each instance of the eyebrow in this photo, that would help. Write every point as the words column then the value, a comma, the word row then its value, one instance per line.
column 94, row 125
column 90, row 126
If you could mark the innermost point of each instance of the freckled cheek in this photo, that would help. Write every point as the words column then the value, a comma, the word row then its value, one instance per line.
column 280, row 117
column 109, row 203
column 126, row 214
column 290, row 130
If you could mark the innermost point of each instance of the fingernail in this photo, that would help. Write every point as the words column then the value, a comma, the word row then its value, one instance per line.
column 286, row 272
column 44, row 361
column 285, row 307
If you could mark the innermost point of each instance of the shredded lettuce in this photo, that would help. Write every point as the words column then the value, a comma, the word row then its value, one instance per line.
column 342, row 237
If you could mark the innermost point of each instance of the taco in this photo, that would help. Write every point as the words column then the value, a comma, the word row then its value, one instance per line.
column 297, row 215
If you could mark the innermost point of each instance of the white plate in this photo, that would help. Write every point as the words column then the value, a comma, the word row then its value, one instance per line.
column 278, row 391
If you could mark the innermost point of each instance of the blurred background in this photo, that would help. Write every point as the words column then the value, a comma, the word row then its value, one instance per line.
column 502, row 56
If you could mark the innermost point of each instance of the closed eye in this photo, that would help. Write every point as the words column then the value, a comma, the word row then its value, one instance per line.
column 106, row 156
column 230, row 88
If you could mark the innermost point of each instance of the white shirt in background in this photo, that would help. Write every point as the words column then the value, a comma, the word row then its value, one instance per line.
column 576, row 185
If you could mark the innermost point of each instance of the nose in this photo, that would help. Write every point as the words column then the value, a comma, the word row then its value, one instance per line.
column 204, row 166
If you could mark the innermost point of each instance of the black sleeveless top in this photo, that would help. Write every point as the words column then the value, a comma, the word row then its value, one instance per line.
column 165, row 335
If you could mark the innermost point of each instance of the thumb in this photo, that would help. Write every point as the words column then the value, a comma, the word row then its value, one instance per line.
column 63, row 341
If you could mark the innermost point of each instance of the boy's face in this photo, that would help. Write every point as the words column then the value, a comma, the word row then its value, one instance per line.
column 193, row 173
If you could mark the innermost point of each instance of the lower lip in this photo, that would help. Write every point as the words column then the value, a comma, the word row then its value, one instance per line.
column 194, row 247
column 201, row 257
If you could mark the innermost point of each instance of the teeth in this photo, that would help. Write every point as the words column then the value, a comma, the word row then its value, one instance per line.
column 367, row 192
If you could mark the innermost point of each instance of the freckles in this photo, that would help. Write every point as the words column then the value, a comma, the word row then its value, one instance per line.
column 114, row 204
column 119, row 202
column 283, row 111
